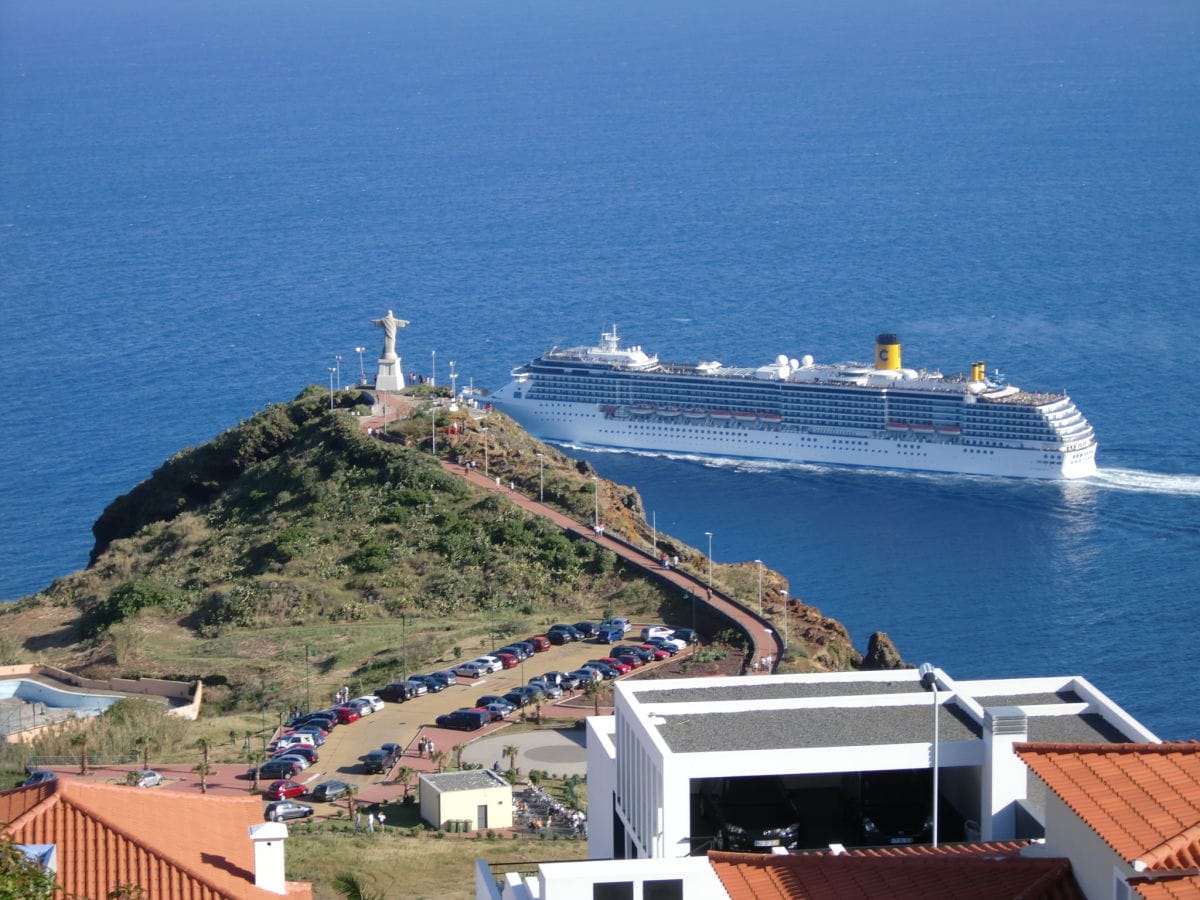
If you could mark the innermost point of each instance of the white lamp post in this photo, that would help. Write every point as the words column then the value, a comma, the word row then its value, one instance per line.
column 337, row 361
column 708, row 534
column 433, row 374
column 362, row 369
column 785, row 621
column 453, row 388
column 541, row 477
column 596, row 499
column 654, row 532
column 760, row 568
column 929, row 680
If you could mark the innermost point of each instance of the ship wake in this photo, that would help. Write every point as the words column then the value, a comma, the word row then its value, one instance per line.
column 1136, row 481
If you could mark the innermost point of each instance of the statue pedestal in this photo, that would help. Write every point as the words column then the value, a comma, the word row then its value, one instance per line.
column 390, row 376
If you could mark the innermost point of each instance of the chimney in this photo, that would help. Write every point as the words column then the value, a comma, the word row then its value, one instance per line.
column 1004, row 774
column 268, row 856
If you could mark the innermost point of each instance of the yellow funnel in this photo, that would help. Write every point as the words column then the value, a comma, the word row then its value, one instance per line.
column 887, row 351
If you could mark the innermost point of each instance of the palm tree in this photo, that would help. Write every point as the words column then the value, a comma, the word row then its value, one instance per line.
column 598, row 690
column 203, row 769
column 511, row 751
column 439, row 759
column 537, row 700
column 404, row 775
column 254, row 758
column 80, row 740
column 458, row 752
column 145, row 742
column 352, row 887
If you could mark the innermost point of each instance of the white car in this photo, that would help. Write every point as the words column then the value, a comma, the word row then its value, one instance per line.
column 144, row 778
column 656, row 631
column 288, row 741
column 489, row 663
column 370, row 700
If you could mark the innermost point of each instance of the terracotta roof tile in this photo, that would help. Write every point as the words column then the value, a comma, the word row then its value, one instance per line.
column 1143, row 800
column 175, row 846
column 951, row 875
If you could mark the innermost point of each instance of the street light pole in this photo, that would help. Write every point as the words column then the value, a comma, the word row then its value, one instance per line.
column 654, row 532
column 929, row 680
column 785, row 619
column 541, row 477
column 708, row 534
column 362, row 369
column 596, row 496
column 760, row 568
column 337, row 361
column 433, row 375
column 433, row 430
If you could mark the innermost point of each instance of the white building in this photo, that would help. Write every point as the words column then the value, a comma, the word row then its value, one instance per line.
column 649, row 763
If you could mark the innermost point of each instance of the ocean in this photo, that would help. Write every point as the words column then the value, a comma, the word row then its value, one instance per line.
column 204, row 204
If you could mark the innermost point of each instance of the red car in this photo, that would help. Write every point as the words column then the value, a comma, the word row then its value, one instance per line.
column 508, row 660
column 540, row 642
column 612, row 663
column 630, row 660
column 346, row 714
column 284, row 790
column 658, row 652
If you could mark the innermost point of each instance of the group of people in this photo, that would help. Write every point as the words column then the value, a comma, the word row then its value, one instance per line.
column 372, row 818
column 598, row 528
column 341, row 696
column 668, row 562
column 426, row 748
column 766, row 662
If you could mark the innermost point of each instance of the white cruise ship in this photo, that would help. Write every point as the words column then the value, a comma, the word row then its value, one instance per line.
column 878, row 415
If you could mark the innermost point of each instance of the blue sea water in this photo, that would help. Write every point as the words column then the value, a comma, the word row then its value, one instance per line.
column 203, row 204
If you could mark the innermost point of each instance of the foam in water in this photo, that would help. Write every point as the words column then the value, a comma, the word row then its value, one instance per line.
column 1141, row 482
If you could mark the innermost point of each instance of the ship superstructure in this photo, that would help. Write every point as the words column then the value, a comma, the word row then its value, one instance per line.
column 876, row 414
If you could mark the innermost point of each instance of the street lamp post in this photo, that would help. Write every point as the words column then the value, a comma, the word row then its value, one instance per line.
column 760, row 568
column 929, row 680
column 708, row 534
column 433, row 430
column 654, row 532
column 453, row 383
column 541, row 477
column 785, row 618
column 433, row 374
column 337, row 361
column 596, row 497
column 331, row 371
column 362, row 369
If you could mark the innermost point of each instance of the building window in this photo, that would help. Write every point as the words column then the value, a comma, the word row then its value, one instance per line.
column 666, row 889
column 613, row 890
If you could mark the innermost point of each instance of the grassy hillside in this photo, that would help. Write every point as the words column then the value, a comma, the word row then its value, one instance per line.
column 295, row 533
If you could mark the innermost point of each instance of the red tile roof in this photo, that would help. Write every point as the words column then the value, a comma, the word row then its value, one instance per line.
column 175, row 846
column 1143, row 800
column 991, row 872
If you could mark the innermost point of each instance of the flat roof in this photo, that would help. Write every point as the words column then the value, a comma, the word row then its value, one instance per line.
column 469, row 780
column 734, row 689
column 1034, row 699
column 808, row 727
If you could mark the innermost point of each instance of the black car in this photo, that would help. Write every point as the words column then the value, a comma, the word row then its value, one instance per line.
column 587, row 629
column 563, row 634
column 396, row 692
column 277, row 770
column 640, row 652
column 464, row 719
column 519, row 697
column 380, row 761
column 326, row 720
column 282, row 810
column 687, row 635
column 520, row 649
column 327, row 791
column 39, row 776
column 754, row 814
column 308, row 753
column 435, row 685
column 896, row 807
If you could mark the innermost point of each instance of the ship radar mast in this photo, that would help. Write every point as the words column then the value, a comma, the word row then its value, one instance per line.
column 609, row 339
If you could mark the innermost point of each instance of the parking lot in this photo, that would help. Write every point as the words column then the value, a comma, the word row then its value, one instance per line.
column 340, row 757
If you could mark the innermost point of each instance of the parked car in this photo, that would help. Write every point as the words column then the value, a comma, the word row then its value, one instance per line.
column 471, row 670
column 640, row 652
column 380, row 761
column 488, row 699
column 587, row 629
column 613, row 663
column 295, row 739
column 417, row 688
column 447, row 677
column 316, row 732
column 569, row 630
column 518, row 697
column 546, row 688
column 282, row 810
column 609, row 634
column 508, row 660
column 328, row 791
column 566, row 680
column 306, row 753
column 376, row 703
column 497, row 711
column 619, row 621
column 490, row 663
column 39, row 776
column 326, row 720
column 653, row 631
column 895, row 807
column 587, row 676
column 560, row 635
column 660, row 653
column 301, row 762
column 432, row 685
column 279, row 767
column 754, row 814
column 347, row 714
column 540, row 642
column 464, row 719
column 634, row 662
column 605, row 670
column 520, row 649
column 392, row 748
column 284, row 790
column 144, row 778
column 671, row 645
column 362, row 707
column 687, row 635
column 396, row 692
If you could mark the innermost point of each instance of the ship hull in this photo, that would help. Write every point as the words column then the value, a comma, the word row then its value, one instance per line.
column 585, row 425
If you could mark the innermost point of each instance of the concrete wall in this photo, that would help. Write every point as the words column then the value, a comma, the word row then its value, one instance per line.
column 440, row 808
column 573, row 880
column 184, row 702
column 1092, row 860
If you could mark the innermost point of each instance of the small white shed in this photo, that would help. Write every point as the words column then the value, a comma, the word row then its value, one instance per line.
column 468, row 801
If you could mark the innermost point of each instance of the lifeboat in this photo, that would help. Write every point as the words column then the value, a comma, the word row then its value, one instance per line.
column 922, row 428
column 608, row 410
column 642, row 410
column 669, row 412
column 719, row 414
column 771, row 418
column 746, row 416
column 949, row 429
column 896, row 426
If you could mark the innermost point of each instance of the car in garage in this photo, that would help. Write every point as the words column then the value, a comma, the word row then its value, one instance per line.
column 895, row 807
column 754, row 814
column 283, row 810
